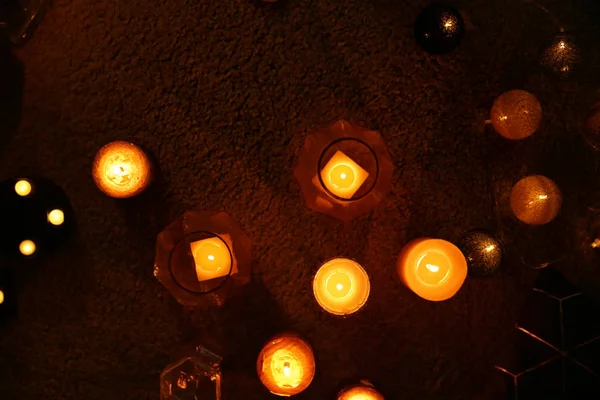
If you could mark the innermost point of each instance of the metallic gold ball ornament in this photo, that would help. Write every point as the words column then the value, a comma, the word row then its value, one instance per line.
column 592, row 127
column 561, row 56
column 535, row 200
column 516, row 114
column 439, row 29
column 483, row 252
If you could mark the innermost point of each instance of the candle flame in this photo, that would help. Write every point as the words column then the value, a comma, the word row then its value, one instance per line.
column 211, row 257
column 287, row 369
column 596, row 243
column 339, row 286
column 561, row 45
column 543, row 196
column 432, row 268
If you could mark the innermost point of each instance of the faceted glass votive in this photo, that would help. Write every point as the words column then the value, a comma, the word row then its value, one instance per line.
column 203, row 258
column 344, row 170
column 197, row 376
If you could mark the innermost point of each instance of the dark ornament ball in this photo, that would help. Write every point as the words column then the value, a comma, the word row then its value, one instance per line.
column 439, row 29
column 561, row 56
column 483, row 252
column 592, row 127
column 36, row 215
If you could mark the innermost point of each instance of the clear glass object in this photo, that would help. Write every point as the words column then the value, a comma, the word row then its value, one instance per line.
column 19, row 17
column 193, row 377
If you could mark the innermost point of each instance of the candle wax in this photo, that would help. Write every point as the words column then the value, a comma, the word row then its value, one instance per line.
column 432, row 268
column 342, row 176
column 211, row 258
column 341, row 286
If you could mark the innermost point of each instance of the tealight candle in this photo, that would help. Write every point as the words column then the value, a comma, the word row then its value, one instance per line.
column 341, row 286
column 360, row 392
column 432, row 268
column 286, row 365
column 122, row 170
column 342, row 176
column 211, row 257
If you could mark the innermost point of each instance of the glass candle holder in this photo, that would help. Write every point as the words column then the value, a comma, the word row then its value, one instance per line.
column 37, row 217
column 286, row 364
column 362, row 391
column 194, row 376
column 344, row 170
column 203, row 258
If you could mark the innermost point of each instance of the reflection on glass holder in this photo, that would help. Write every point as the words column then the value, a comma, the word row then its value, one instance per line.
column 344, row 170
column 203, row 258
column 19, row 17
column 194, row 376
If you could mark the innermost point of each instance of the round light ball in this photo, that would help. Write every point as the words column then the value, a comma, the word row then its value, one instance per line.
column 286, row 365
column 23, row 187
column 439, row 29
column 535, row 200
column 56, row 217
column 516, row 114
column 122, row 170
column 360, row 392
column 483, row 252
column 1, row 297
column 27, row 247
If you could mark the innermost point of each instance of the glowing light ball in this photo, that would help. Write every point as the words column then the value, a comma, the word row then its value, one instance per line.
column 122, row 170
column 535, row 200
column 516, row 114
column 483, row 252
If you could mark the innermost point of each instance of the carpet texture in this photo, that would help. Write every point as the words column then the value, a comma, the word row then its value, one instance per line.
column 222, row 94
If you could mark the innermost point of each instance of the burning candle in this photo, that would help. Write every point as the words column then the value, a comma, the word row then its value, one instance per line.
column 341, row 286
column 211, row 257
column 342, row 176
column 286, row 365
column 360, row 392
column 432, row 268
column 122, row 170
column 27, row 247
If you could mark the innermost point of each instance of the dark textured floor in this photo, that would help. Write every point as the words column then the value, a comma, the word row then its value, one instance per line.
column 222, row 93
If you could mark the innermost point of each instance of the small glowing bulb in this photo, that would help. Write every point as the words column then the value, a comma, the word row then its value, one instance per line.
column 1, row 297
column 56, row 217
column 27, row 247
column 211, row 257
column 432, row 268
column 490, row 248
column 561, row 45
column 596, row 243
column 448, row 24
column 543, row 196
column 23, row 188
